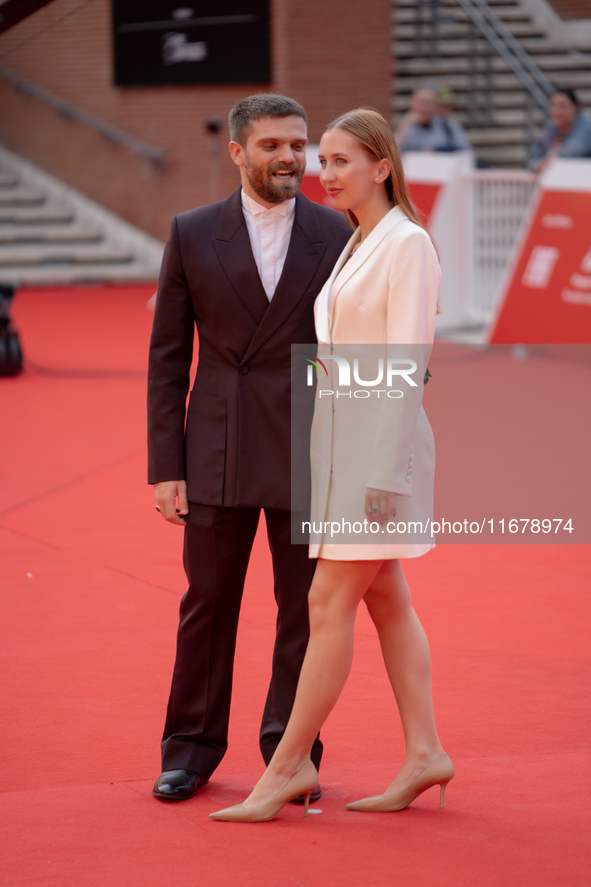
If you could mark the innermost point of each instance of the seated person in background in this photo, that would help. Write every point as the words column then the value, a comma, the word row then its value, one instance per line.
column 424, row 129
column 566, row 134
column 445, row 101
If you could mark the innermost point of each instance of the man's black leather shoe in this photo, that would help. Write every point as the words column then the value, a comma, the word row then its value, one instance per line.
column 177, row 785
column 315, row 796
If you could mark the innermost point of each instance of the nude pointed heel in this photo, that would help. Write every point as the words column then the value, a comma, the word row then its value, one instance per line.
column 440, row 772
column 302, row 783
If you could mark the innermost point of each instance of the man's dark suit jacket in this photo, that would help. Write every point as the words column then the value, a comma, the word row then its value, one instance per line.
column 235, row 450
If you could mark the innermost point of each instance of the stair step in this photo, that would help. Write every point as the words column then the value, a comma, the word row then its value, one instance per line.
column 460, row 65
column 404, row 15
column 576, row 61
column 501, row 116
column 449, row 48
column 42, row 215
column 8, row 178
column 48, row 234
column 505, row 90
column 411, row 4
column 504, row 155
column 496, row 136
column 456, row 31
column 502, row 102
column 505, row 120
column 22, row 255
column 21, row 196
column 509, row 98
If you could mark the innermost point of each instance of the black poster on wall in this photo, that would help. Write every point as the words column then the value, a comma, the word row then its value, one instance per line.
column 159, row 42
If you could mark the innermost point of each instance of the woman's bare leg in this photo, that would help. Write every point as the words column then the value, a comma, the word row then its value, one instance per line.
column 407, row 657
column 336, row 591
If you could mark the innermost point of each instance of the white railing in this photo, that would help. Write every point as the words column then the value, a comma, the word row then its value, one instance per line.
column 496, row 204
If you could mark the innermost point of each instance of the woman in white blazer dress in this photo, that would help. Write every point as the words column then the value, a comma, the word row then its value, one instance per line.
column 383, row 291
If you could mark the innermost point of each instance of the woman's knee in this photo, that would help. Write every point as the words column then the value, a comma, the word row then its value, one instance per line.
column 388, row 598
column 337, row 589
column 331, row 605
column 325, row 608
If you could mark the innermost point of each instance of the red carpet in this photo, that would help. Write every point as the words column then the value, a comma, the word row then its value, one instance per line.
column 91, row 581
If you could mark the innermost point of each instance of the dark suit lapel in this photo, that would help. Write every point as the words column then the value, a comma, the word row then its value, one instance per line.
column 306, row 249
column 232, row 245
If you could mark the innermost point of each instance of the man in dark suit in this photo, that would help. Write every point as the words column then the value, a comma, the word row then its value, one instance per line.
column 244, row 271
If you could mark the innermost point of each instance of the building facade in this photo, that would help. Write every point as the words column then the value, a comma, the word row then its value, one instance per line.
column 331, row 55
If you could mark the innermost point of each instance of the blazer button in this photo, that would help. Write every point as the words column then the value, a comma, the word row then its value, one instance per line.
column 244, row 370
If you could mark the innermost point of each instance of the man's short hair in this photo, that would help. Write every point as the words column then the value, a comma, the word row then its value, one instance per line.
column 254, row 107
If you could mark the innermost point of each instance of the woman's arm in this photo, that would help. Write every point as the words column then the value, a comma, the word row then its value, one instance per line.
column 413, row 290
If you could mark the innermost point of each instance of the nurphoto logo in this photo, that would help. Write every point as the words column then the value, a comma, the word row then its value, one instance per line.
column 388, row 371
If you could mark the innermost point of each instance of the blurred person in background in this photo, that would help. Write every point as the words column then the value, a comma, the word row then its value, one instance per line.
column 567, row 133
column 445, row 101
column 424, row 128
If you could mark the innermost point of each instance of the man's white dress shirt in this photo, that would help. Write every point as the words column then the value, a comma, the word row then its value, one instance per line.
column 269, row 231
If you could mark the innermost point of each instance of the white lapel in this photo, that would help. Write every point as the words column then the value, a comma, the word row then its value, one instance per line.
column 321, row 318
column 364, row 251
column 359, row 257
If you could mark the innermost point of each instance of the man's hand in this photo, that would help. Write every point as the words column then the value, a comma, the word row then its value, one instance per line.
column 410, row 118
column 171, row 501
column 379, row 505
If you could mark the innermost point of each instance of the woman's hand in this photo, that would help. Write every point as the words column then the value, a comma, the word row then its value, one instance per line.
column 379, row 505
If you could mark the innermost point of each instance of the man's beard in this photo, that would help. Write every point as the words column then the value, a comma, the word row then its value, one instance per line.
column 267, row 186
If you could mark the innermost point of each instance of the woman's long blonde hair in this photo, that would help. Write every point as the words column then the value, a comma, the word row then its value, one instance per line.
column 374, row 135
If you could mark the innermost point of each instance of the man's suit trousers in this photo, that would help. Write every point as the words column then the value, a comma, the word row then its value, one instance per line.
column 218, row 542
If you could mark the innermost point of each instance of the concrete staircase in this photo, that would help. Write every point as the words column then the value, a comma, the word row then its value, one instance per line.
column 51, row 234
column 502, row 144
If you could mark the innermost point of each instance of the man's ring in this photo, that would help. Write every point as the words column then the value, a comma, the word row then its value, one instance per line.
column 373, row 510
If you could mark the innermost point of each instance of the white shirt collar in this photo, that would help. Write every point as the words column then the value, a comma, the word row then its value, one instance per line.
column 286, row 207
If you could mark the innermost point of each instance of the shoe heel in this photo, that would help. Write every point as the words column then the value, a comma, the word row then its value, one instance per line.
column 442, row 787
column 307, row 803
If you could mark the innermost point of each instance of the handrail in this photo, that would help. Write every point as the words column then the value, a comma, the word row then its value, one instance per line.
column 509, row 49
column 158, row 157
column 516, row 46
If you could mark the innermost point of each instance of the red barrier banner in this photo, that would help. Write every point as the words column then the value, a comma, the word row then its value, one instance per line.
column 547, row 297
column 313, row 190
column 423, row 195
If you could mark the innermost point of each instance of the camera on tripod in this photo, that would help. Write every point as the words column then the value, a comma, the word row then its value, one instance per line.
column 11, row 356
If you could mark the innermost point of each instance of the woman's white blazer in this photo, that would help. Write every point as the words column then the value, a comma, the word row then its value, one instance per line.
column 384, row 294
